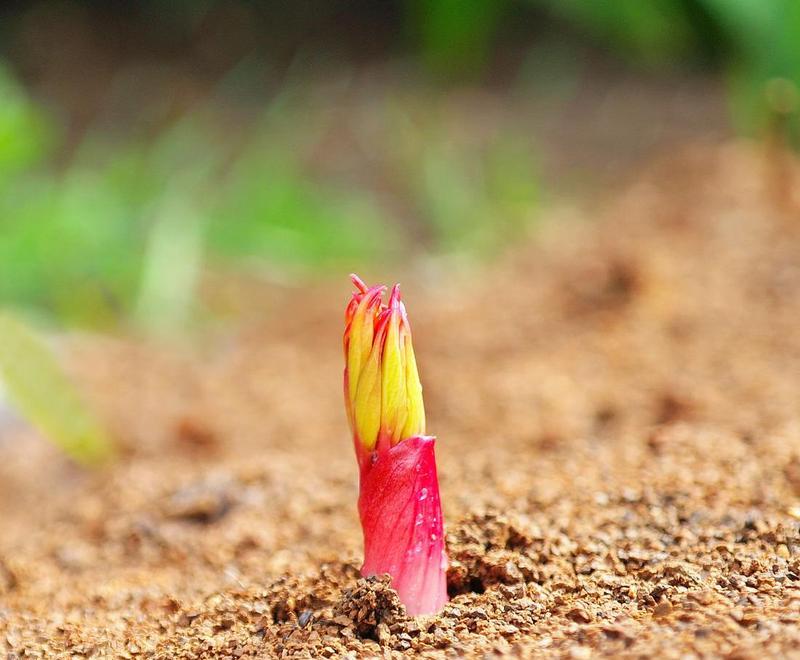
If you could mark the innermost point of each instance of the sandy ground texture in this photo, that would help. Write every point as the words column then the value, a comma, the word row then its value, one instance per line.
column 618, row 412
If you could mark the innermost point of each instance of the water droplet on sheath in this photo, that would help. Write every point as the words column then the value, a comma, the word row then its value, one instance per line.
column 420, row 519
column 423, row 494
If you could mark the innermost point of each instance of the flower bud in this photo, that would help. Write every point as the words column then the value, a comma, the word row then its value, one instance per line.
column 398, row 501
column 383, row 395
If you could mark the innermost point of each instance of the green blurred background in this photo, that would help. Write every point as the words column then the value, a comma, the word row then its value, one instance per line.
column 151, row 151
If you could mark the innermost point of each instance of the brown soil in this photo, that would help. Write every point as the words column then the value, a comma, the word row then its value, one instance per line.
column 618, row 408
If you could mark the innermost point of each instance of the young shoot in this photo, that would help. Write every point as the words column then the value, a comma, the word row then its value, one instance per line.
column 401, row 515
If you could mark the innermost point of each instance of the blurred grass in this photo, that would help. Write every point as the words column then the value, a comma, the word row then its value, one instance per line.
column 119, row 232
column 754, row 42
column 122, row 233
column 120, row 229
column 124, row 230
column 474, row 188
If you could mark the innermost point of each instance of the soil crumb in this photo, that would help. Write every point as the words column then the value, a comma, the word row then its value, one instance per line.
column 618, row 413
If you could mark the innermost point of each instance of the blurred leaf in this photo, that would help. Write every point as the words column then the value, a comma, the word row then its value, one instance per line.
column 455, row 36
column 24, row 132
column 477, row 201
column 747, row 22
column 172, row 264
column 654, row 32
column 512, row 181
column 765, row 38
column 473, row 194
column 270, row 210
column 41, row 391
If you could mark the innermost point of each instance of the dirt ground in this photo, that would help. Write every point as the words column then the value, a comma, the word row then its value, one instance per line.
column 618, row 413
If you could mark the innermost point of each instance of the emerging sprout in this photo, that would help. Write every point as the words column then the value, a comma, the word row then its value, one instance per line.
column 398, row 503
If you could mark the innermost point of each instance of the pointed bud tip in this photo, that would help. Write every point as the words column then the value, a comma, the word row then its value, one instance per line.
column 358, row 283
column 394, row 297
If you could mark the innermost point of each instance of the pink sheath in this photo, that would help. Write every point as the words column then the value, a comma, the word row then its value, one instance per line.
column 401, row 517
